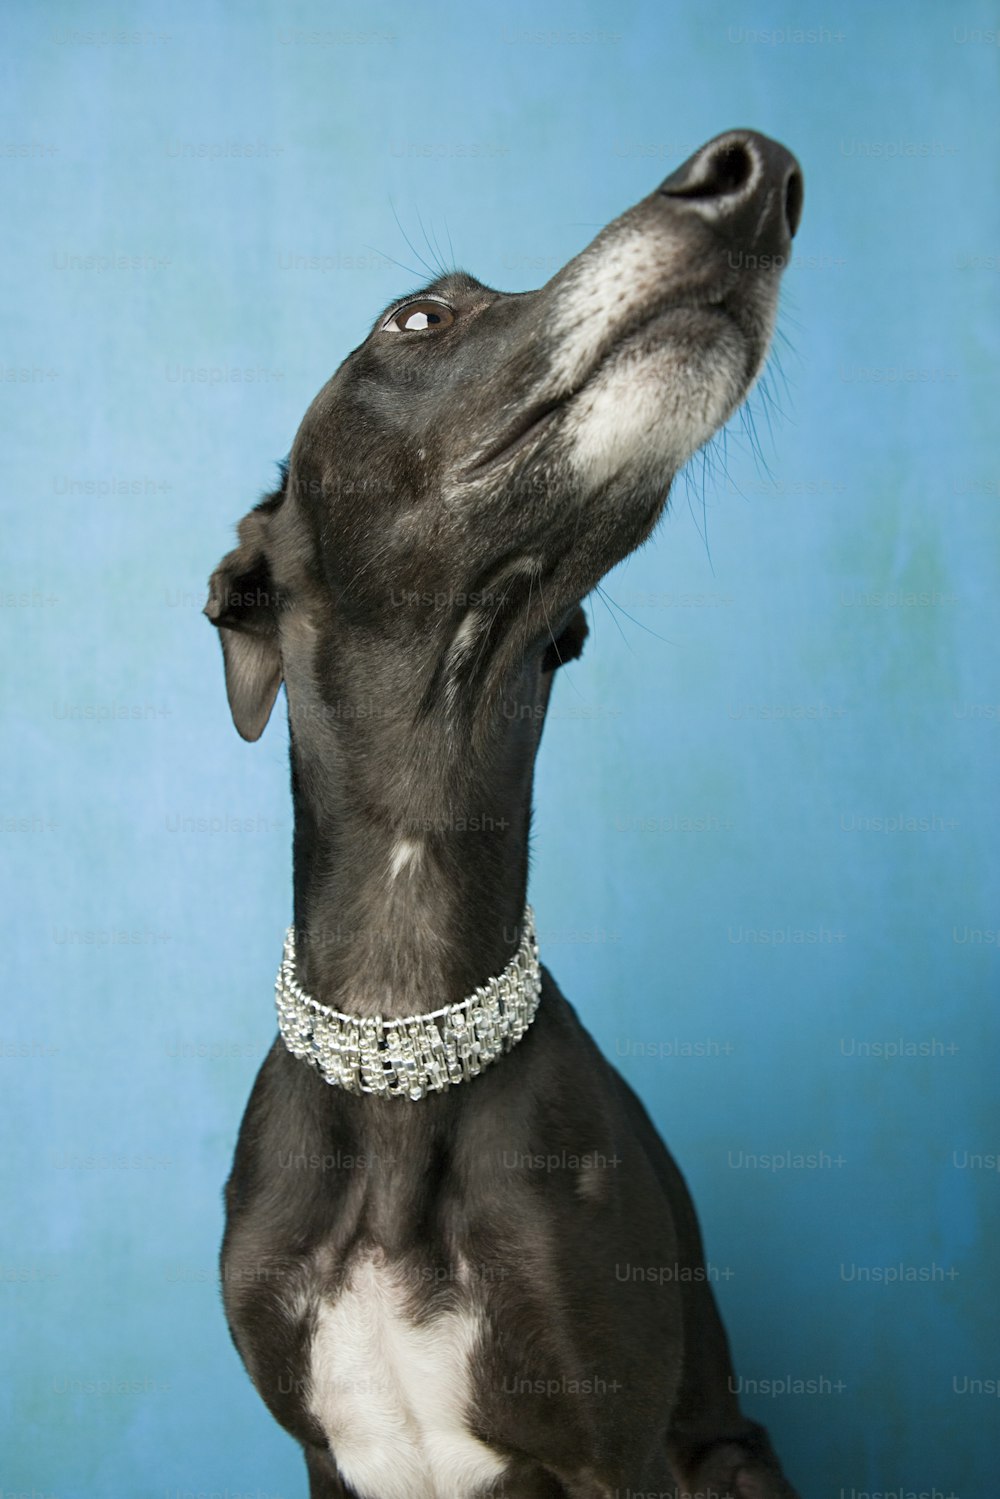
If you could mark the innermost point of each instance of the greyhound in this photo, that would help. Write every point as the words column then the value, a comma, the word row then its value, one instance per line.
column 445, row 1203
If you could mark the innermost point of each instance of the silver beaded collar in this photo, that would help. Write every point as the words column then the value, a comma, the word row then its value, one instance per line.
column 418, row 1054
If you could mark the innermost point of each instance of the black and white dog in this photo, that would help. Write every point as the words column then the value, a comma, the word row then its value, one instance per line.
column 429, row 1313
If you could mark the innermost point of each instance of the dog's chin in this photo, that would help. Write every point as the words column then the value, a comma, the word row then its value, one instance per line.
column 659, row 398
column 648, row 405
column 663, row 388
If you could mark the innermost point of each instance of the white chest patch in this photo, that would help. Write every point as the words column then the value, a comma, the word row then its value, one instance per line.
column 392, row 1397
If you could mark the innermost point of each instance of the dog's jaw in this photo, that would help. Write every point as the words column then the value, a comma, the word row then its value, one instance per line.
column 652, row 405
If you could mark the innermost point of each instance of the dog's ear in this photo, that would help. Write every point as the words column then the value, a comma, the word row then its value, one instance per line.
column 243, row 604
column 568, row 644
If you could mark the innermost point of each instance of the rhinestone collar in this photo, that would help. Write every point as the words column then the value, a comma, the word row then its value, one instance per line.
column 418, row 1054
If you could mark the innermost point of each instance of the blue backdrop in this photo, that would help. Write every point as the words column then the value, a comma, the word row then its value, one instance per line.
column 765, row 867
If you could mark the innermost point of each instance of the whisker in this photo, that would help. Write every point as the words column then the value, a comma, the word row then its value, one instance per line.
column 604, row 600
column 609, row 600
column 428, row 268
column 409, row 269
column 433, row 250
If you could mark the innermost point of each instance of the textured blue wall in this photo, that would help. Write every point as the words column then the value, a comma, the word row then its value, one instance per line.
column 807, row 647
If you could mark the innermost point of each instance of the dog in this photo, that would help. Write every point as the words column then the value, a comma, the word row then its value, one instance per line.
column 423, row 1300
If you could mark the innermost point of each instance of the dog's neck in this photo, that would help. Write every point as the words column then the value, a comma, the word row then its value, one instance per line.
column 411, row 859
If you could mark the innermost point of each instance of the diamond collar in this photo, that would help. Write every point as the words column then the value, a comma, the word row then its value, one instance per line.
column 417, row 1054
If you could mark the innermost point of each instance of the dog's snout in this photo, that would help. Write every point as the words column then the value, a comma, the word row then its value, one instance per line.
column 749, row 186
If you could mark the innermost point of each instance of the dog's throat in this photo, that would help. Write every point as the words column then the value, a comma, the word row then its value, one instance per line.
column 412, row 1055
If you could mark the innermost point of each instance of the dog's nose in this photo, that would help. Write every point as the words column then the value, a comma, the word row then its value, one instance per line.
column 747, row 186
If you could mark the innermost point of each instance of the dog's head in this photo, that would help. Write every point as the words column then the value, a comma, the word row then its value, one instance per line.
column 481, row 460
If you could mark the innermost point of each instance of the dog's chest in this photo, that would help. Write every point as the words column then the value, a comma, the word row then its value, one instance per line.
column 392, row 1396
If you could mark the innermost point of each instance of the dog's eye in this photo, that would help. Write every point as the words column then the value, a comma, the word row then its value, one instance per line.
column 417, row 317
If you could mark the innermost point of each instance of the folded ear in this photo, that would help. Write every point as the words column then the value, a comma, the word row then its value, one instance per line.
column 244, row 605
column 568, row 644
